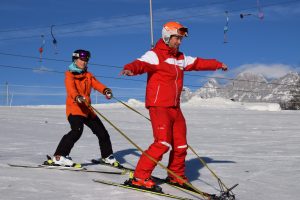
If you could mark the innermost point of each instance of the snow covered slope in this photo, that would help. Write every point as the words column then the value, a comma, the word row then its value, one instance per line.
column 244, row 144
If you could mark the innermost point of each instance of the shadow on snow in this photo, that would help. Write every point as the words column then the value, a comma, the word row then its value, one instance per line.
column 193, row 166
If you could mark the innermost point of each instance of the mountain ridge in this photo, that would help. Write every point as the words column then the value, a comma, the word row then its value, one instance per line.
column 249, row 87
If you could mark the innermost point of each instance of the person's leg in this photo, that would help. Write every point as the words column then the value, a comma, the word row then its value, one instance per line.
column 97, row 127
column 67, row 142
column 179, row 145
column 162, row 132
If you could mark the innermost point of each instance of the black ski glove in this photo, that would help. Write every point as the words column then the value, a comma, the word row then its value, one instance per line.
column 80, row 99
column 108, row 93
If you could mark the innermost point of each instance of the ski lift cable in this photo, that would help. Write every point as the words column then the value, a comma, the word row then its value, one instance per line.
column 119, row 78
column 160, row 20
column 112, row 17
column 119, row 67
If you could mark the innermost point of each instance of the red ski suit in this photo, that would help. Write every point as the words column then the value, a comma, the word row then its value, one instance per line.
column 165, row 67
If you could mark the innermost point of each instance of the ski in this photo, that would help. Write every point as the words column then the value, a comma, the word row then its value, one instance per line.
column 224, row 195
column 122, row 185
column 121, row 167
column 81, row 169
column 193, row 192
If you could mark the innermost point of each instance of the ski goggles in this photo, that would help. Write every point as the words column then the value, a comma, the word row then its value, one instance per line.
column 183, row 31
column 85, row 56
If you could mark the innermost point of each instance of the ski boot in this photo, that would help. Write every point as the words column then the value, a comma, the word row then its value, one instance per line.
column 64, row 161
column 111, row 160
column 145, row 184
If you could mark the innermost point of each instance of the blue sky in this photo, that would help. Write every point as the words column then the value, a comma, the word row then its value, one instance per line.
column 118, row 31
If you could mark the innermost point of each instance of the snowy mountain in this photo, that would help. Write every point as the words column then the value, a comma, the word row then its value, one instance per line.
column 186, row 94
column 283, row 87
column 249, row 87
column 209, row 90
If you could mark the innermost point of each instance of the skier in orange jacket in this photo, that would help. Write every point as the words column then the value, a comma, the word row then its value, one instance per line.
column 79, row 83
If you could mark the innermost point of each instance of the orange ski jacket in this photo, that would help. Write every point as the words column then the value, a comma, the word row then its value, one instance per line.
column 80, row 84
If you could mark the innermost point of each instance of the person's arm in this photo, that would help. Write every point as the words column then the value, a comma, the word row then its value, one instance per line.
column 100, row 87
column 147, row 63
column 200, row 64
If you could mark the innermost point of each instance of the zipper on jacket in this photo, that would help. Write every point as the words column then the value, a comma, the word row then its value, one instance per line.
column 157, row 91
column 176, row 83
column 85, row 87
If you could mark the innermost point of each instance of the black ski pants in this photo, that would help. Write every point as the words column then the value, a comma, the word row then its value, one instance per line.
column 77, row 123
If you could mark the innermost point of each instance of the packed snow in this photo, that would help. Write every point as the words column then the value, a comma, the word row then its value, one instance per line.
column 254, row 145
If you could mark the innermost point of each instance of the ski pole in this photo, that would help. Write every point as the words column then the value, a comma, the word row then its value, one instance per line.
column 203, row 194
column 134, row 110
column 201, row 160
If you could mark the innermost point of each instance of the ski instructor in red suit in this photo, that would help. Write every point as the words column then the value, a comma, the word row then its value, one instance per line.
column 165, row 66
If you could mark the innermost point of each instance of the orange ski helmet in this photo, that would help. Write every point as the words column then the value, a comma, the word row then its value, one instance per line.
column 173, row 28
